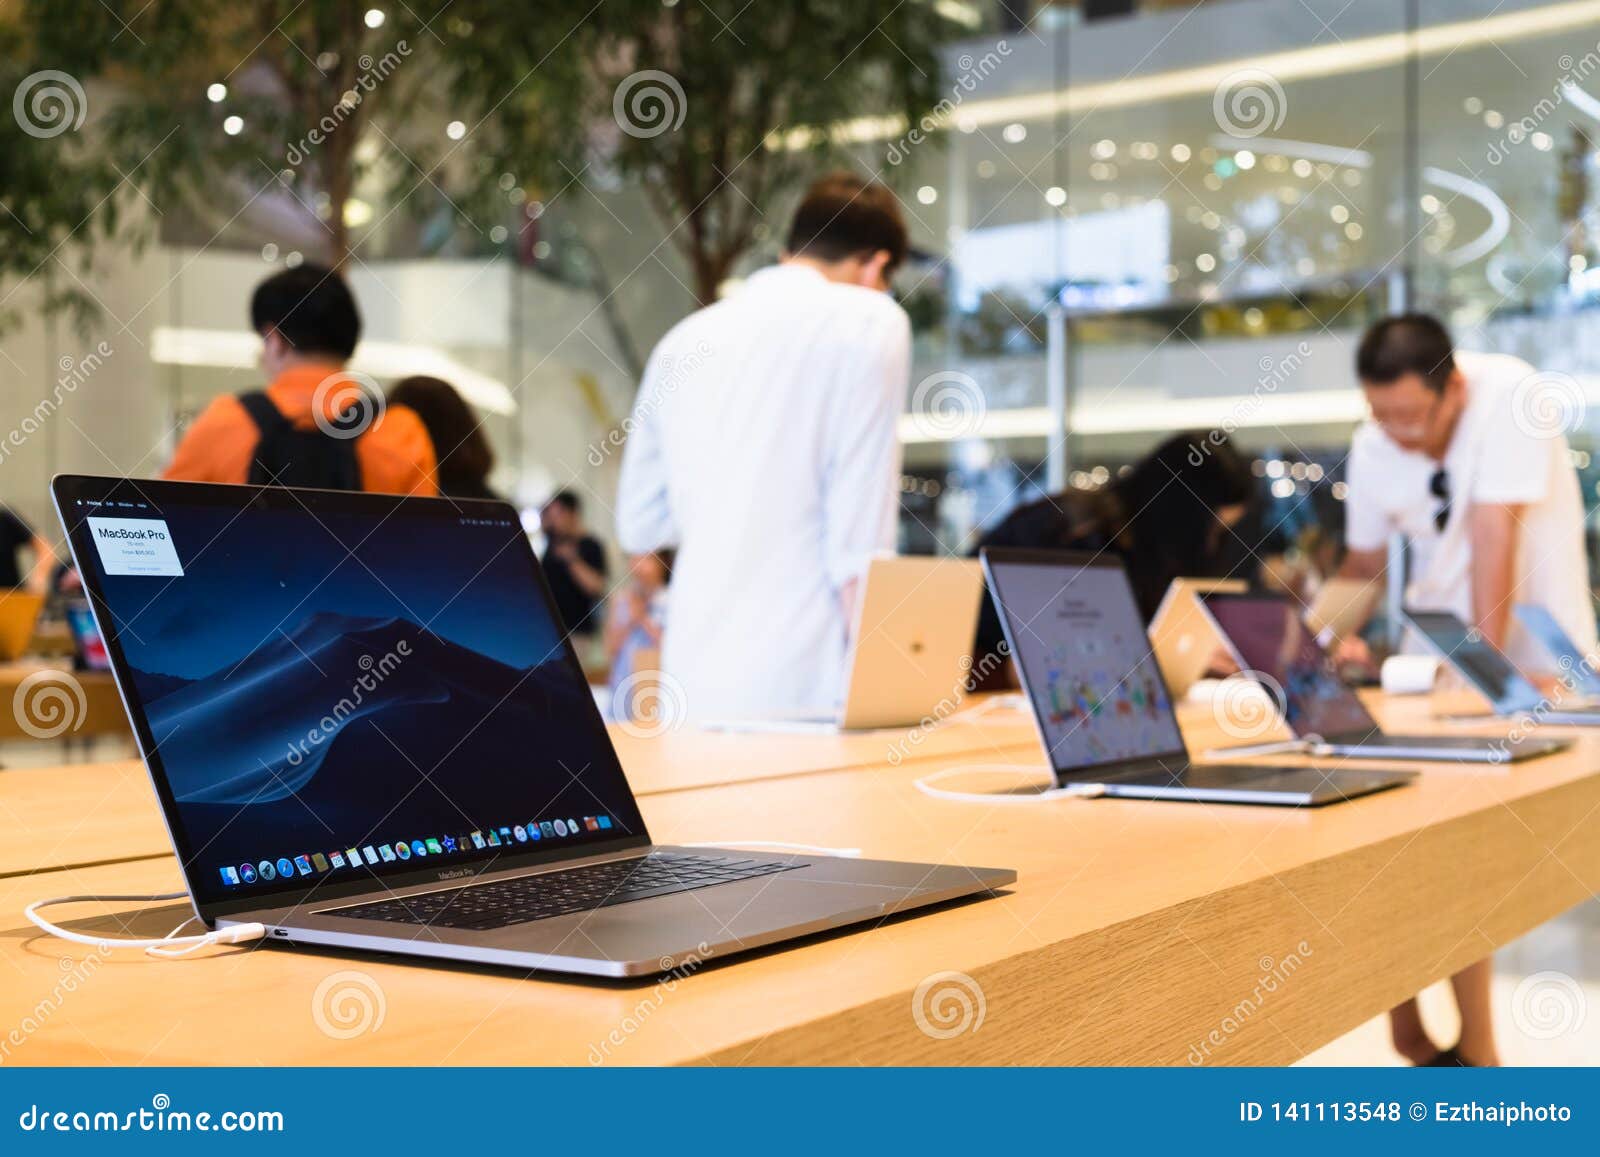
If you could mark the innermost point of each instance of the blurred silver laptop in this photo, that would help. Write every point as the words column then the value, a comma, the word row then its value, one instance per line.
column 916, row 618
column 1104, row 715
column 1186, row 641
column 1486, row 668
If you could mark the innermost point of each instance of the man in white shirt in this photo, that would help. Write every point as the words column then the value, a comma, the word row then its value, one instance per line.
column 763, row 446
column 1462, row 457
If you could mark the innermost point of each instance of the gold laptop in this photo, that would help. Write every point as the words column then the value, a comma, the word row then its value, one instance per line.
column 1185, row 639
column 19, row 611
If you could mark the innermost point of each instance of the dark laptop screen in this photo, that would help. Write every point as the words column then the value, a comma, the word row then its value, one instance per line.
column 1478, row 661
column 1086, row 662
column 340, row 687
column 1272, row 639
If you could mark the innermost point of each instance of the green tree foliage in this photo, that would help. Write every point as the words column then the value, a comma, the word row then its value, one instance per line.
column 711, row 106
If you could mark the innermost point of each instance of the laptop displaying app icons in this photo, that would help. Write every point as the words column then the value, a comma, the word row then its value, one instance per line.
column 305, row 669
column 1273, row 643
column 1102, row 709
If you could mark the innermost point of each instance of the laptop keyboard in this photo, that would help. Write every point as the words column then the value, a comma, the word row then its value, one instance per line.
column 521, row 899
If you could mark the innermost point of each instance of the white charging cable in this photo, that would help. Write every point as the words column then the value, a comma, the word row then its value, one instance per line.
column 170, row 945
column 1076, row 791
column 779, row 846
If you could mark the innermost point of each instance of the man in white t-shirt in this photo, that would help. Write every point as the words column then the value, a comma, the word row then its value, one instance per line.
column 1462, row 456
column 764, row 447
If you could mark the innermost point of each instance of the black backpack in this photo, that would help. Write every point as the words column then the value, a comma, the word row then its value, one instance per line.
column 287, row 455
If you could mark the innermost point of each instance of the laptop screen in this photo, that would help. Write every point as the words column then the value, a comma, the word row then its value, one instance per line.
column 342, row 688
column 1571, row 663
column 1271, row 639
column 1085, row 661
column 1478, row 661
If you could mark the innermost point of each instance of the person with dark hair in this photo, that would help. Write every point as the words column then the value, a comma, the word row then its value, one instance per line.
column 852, row 225
column 460, row 448
column 574, row 564
column 790, row 386
column 16, row 536
column 1465, row 454
column 313, row 425
column 1168, row 517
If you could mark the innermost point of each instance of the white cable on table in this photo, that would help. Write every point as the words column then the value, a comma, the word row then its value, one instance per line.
column 1076, row 791
column 169, row 946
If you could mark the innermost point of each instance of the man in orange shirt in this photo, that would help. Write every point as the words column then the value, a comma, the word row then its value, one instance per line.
column 313, row 425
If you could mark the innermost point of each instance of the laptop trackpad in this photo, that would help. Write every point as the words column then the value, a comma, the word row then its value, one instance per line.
column 728, row 915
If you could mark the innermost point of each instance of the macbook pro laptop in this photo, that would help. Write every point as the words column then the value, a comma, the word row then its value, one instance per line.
column 1103, row 712
column 1270, row 639
column 915, row 621
column 1575, row 668
column 1486, row 668
column 367, row 729
column 1185, row 639
column 19, row 614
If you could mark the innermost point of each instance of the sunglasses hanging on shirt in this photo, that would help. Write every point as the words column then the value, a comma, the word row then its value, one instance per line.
column 1439, row 487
